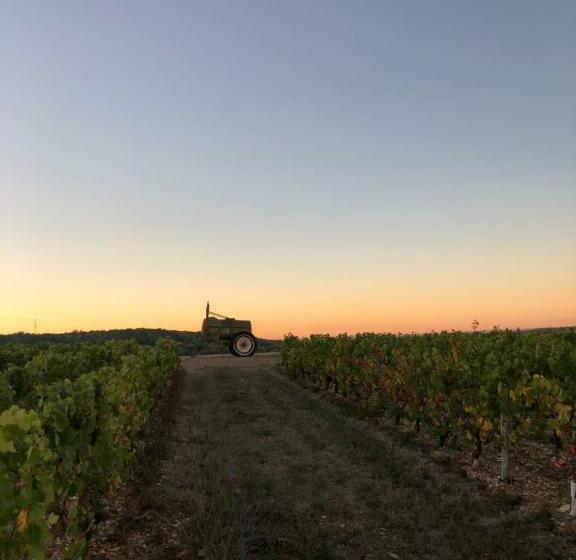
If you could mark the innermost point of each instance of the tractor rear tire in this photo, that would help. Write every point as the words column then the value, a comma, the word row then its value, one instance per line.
column 244, row 345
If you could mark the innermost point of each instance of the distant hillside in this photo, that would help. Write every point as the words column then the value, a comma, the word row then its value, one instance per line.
column 191, row 341
column 553, row 329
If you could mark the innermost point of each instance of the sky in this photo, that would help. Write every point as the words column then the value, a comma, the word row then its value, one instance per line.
column 314, row 166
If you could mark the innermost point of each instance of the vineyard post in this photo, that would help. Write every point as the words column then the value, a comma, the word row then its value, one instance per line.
column 505, row 447
column 571, row 455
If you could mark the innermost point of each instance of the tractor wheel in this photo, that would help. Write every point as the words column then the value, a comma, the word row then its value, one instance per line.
column 231, row 349
column 243, row 345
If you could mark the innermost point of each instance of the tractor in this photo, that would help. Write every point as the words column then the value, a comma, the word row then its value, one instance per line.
column 236, row 333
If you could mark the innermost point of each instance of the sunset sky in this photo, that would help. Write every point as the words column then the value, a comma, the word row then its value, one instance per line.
column 314, row 166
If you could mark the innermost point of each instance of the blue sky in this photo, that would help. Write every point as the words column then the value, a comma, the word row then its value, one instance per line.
column 328, row 151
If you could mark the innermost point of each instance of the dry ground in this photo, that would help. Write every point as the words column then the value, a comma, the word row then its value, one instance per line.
column 244, row 463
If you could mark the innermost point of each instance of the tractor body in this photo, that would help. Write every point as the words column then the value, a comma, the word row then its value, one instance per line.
column 223, row 330
column 235, row 333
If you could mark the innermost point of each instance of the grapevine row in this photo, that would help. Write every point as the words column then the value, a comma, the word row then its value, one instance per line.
column 72, row 414
column 476, row 387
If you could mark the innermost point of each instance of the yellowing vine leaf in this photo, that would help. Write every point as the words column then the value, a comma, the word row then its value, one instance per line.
column 487, row 426
column 6, row 446
column 22, row 521
column 564, row 411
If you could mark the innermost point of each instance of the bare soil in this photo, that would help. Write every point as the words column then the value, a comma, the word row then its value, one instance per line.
column 243, row 463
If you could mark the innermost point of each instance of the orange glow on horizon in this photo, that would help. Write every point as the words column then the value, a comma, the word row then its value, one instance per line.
column 282, row 294
column 274, row 319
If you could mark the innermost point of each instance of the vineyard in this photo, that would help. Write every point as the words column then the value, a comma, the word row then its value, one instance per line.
column 73, row 414
column 70, row 415
column 470, row 389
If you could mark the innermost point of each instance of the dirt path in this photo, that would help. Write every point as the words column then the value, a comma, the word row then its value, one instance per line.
column 244, row 463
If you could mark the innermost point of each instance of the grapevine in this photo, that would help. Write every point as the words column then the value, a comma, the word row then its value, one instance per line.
column 72, row 414
column 474, row 388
